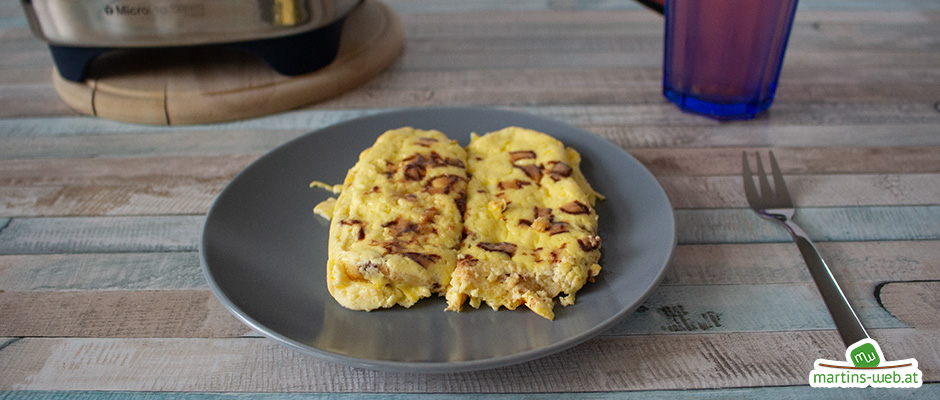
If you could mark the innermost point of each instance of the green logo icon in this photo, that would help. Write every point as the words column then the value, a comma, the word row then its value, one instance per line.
column 865, row 356
column 865, row 366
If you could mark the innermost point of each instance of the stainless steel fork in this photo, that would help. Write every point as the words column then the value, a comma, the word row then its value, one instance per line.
column 775, row 204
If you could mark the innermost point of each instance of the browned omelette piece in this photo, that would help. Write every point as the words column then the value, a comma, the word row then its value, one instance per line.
column 530, row 226
column 396, row 226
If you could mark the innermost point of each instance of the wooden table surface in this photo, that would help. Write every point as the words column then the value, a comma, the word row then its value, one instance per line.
column 101, row 292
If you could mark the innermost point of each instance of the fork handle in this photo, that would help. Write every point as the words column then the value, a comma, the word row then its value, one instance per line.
column 848, row 324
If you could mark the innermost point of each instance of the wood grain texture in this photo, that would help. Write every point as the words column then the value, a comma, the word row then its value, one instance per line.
column 182, row 184
column 28, row 100
column 684, row 162
column 703, row 291
column 83, row 101
column 81, row 125
column 659, row 119
column 4, row 341
column 822, row 225
column 96, row 235
column 717, row 288
column 670, row 309
column 101, row 271
column 714, row 226
column 750, row 308
column 795, row 161
column 529, row 82
column 138, row 197
column 123, row 170
column 603, row 364
column 820, row 30
column 784, row 393
column 607, row 85
column 181, row 143
column 809, row 190
column 631, row 137
column 98, row 200
column 644, row 58
column 781, row 263
column 117, row 314
column 915, row 303
column 721, row 264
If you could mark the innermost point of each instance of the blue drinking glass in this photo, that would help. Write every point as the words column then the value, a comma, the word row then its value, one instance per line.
column 723, row 57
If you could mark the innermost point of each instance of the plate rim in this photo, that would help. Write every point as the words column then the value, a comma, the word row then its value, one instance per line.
column 435, row 367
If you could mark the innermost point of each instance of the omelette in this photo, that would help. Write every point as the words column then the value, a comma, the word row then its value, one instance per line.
column 508, row 221
column 530, row 228
column 396, row 226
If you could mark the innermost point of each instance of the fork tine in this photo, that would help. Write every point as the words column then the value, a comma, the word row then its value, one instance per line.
column 749, row 190
column 779, row 183
column 765, row 189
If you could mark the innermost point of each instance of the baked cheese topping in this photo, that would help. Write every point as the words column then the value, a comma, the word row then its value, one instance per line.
column 396, row 226
column 530, row 226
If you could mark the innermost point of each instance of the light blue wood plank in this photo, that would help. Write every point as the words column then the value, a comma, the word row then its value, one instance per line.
column 695, row 265
column 781, row 263
column 783, row 393
column 670, row 309
column 821, row 224
column 13, row 22
column 55, row 126
column 105, row 234
column 185, row 142
column 112, row 271
column 701, row 361
column 743, row 308
column 6, row 341
column 646, row 115
column 181, row 233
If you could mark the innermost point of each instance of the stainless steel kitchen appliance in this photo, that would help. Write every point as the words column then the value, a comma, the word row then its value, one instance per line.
column 77, row 31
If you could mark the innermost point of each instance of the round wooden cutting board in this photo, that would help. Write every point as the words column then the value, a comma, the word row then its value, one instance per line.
column 208, row 84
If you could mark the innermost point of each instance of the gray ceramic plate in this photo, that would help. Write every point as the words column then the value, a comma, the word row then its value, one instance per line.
column 264, row 254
